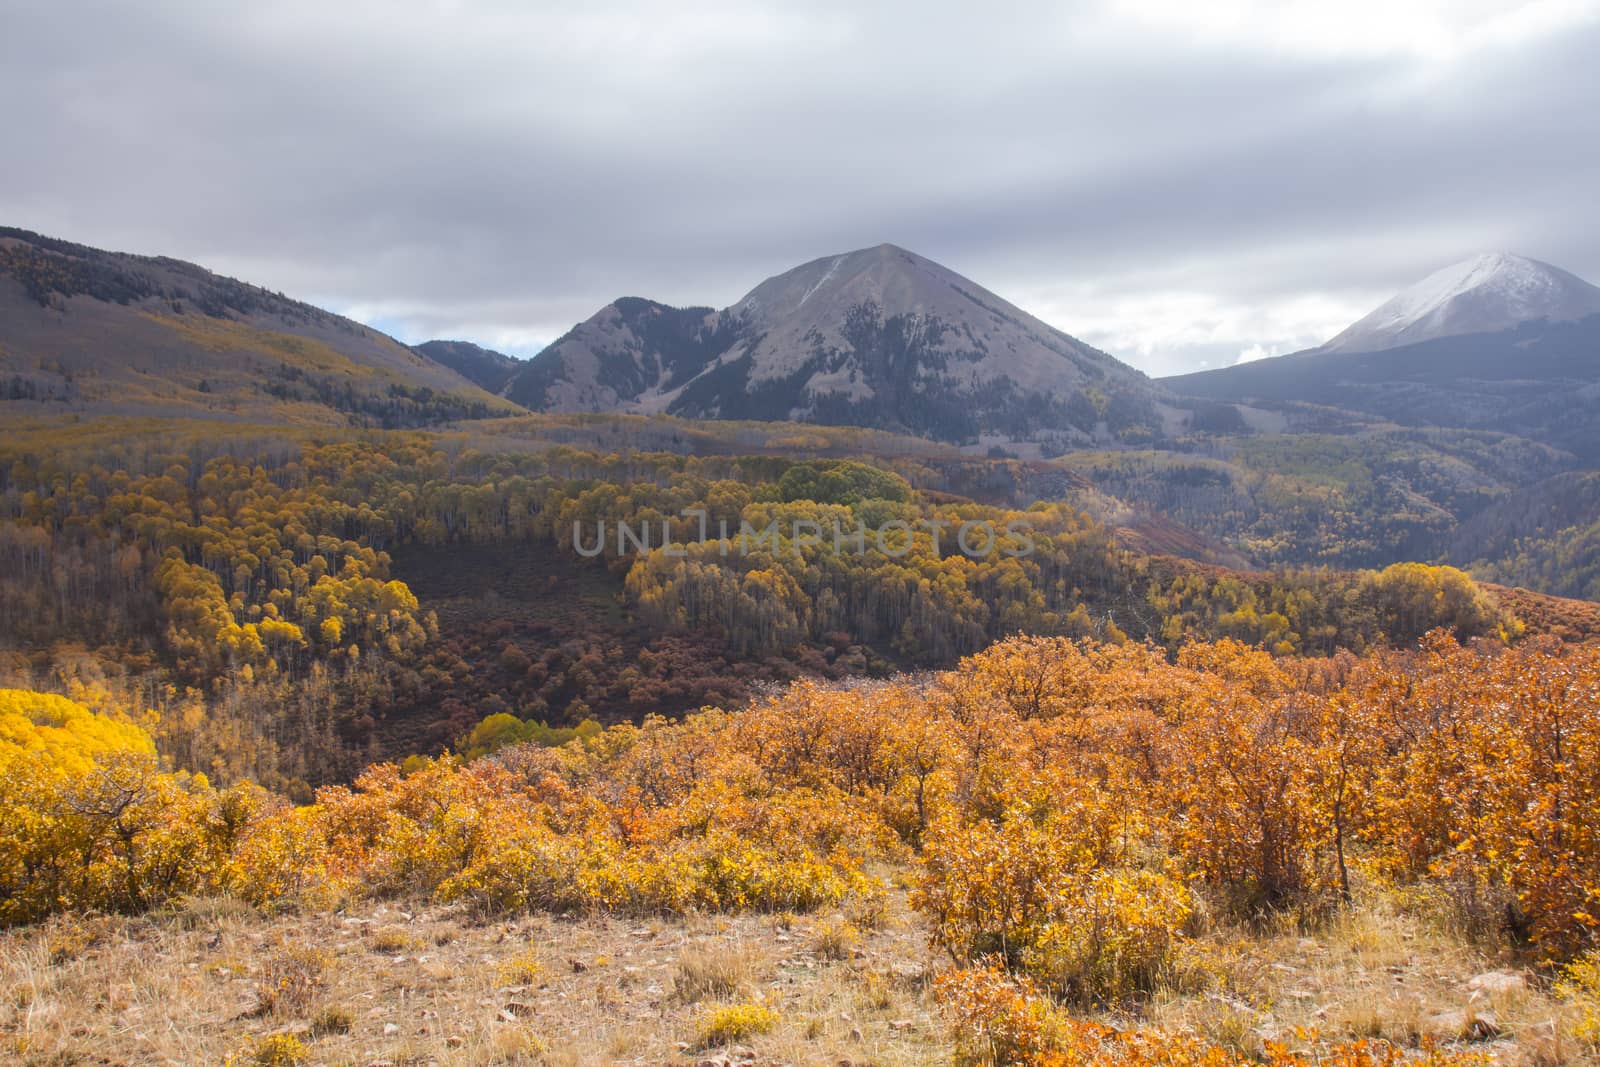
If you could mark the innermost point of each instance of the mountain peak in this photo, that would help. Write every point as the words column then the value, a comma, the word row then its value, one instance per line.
column 878, row 274
column 877, row 337
column 1486, row 293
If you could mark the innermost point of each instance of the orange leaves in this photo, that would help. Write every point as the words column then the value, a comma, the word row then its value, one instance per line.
column 998, row 1019
column 1272, row 786
column 1114, row 939
column 1239, row 801
column 283, row 859
column 1489, row 777
column 1062, row 801
column 991, row 887
column 521, row 833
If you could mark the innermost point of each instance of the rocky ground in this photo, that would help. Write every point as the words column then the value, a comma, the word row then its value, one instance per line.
column 218, row 983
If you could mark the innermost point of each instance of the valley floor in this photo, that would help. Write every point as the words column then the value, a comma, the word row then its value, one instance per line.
column 218, row 983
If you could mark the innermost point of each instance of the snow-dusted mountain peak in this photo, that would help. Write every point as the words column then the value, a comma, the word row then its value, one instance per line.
column 1487, row 293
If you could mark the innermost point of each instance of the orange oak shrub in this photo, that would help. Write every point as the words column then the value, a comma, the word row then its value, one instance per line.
column 1059, row 802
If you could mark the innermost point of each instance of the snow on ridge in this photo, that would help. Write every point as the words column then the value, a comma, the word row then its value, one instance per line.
column 832, row 267
column 1489, row 292
column 1523, row 283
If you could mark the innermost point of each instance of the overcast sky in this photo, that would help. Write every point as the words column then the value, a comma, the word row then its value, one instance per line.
column 1181, row 183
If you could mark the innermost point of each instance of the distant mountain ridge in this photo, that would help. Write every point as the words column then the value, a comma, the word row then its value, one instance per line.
column 112, row 332
column 879, row 337
column 481, row 366
column 1497, row 342
column 1488, row 293
column 625, row 357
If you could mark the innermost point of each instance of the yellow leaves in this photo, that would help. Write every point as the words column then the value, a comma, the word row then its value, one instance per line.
column 397, row 598
column 481, row 835
column 523, row 969
column 1580, row 984
column 730, row 1023
column 277, row 632
column 1113, row 938
column 64, row 735
column 86, row 819
column 282, row 858
column 529, row 867
column 273, row 1050
column 991, row 887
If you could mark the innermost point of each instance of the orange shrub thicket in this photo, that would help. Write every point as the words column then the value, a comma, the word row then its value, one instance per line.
column 1062, row 804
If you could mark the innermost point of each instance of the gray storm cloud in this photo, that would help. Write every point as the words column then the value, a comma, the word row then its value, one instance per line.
column 498, row 171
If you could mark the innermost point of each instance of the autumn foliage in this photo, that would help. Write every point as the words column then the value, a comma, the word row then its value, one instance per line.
column 1062, row 803
column 1063, row 810
column 88, row 821
column 254, row 602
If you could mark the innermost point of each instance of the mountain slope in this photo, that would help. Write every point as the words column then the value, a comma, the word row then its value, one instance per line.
column 1497, row 344
column 487, row 369
column 1488, row 293
column 879, row 337
column 117, row 333
column 1545, row 537
column 625, row 357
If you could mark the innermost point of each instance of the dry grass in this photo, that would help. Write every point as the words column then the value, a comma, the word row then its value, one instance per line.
column 433, row 986
column 718, row 971
column 393, row 941
column 1375, row 972
column 836, row 939
column 190, row 987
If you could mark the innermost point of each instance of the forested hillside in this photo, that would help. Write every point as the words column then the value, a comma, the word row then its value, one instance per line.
column 1545, row 537
column 84, row 330
column 1344, row 500
column 245, row 587
column 482, row 367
